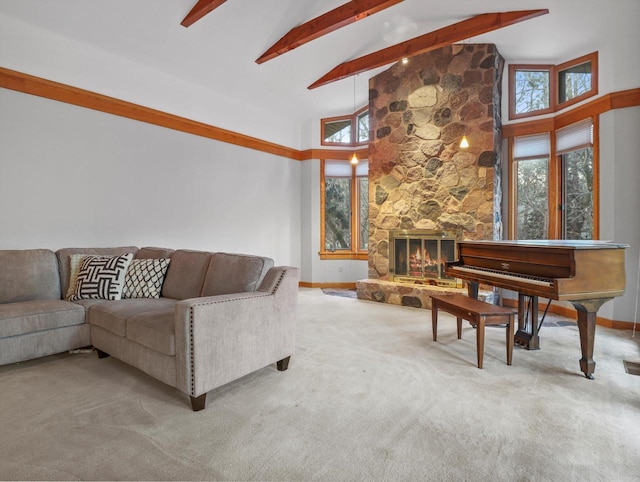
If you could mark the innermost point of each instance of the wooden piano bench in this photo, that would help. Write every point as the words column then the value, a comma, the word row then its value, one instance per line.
column 478, row 313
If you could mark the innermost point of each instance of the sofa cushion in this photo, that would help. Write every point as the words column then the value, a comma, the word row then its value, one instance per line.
column 145, row 278
column 234, row 273
column 186, row 274
column 64, row 254
column 29, row 274
column 112, row 315
column 87, row 303
column 101, row 277
column 154, row 253
column 32, row 316
column 155, row 330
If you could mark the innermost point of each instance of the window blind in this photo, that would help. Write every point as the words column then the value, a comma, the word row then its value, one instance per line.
column 574, row 137
column 362, row 168
column 531, row 147
column 337, row 169
column 343, row 168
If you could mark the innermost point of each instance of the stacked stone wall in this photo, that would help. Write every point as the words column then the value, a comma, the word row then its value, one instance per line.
column 419, row 177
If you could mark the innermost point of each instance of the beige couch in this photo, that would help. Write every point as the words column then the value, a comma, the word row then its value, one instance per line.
column 220, row 316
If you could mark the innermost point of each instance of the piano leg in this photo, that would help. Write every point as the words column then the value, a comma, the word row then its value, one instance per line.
column 527, row 334
column 587, row 310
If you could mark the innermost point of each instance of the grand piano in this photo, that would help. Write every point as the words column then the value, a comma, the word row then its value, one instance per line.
column 585, row 273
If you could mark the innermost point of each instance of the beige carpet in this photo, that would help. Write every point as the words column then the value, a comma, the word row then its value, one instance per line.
column 368, row 396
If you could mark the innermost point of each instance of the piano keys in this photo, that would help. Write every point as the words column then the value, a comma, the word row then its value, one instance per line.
column 585, row 273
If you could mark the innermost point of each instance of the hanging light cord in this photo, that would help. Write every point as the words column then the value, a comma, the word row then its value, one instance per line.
column 354, row 94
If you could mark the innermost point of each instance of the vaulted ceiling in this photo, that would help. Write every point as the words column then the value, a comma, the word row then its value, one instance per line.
column 267, row 53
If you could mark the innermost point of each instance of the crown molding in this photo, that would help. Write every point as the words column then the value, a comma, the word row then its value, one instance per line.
column 29, row 84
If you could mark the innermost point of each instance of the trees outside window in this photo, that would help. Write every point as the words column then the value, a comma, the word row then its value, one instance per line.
column 362, row 120
column 363, row 195
column 532, row 198
column 541, row 89
column 531, row 91
column 337, row 131
column 578, row 194
column 337, row 213
column 576, row 80
column 344, row 210
column 554, row 196
column 346, row 130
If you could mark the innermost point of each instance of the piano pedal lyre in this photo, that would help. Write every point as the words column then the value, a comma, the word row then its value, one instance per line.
column 522, row 338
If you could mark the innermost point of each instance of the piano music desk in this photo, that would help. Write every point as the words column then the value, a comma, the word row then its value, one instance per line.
column 478, row 313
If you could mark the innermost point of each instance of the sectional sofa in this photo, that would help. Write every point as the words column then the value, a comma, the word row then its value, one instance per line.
column 194, row 320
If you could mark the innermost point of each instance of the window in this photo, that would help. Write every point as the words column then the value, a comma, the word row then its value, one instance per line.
column 337, row 131
column 554, row 195
column 574, row 146
column 542, row 89
column 345, row 210
column 577, row 80
column 531, row 166
column 350, row 130
column 362, row 123
column 531, row 93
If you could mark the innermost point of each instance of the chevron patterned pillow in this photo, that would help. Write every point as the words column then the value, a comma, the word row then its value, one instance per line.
column 101, row 277
column 144, row 278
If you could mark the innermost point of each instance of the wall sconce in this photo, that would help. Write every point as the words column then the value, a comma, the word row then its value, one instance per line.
column 464, row 143
column 354, row 159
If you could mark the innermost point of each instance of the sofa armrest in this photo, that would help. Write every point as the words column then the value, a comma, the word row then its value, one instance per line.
column 224, row 337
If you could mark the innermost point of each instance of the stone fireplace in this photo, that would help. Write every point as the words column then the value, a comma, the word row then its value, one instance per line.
column 419, row 177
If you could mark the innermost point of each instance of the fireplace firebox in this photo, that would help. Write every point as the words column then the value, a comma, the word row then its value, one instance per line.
column 419, row 256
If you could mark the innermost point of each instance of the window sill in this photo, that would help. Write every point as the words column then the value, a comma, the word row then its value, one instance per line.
column 343, row 255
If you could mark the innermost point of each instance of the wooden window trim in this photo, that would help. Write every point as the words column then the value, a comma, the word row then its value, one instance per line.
column 355, row 221
column 554, row 71
column 555, row 184
column 354, row 126
column 593, row 58
column 512, row 89
column 327, row 120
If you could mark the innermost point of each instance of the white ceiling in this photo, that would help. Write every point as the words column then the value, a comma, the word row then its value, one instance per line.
column 218, row 52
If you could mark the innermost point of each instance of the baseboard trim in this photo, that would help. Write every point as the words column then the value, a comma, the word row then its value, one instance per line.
column 571, row 313
column 346, row 286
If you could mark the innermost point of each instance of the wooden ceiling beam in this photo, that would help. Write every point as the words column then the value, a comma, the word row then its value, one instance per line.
column 456, row 32
column 333, row 20
column 200, row 9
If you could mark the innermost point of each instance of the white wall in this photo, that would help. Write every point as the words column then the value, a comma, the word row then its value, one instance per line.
column 71, row 176
column 620, row 200
column 32, row 50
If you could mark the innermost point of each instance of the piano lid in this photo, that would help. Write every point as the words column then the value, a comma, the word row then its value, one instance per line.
column 551, row 243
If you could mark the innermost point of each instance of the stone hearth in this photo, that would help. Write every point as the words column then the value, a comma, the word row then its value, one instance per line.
column 408, row 294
